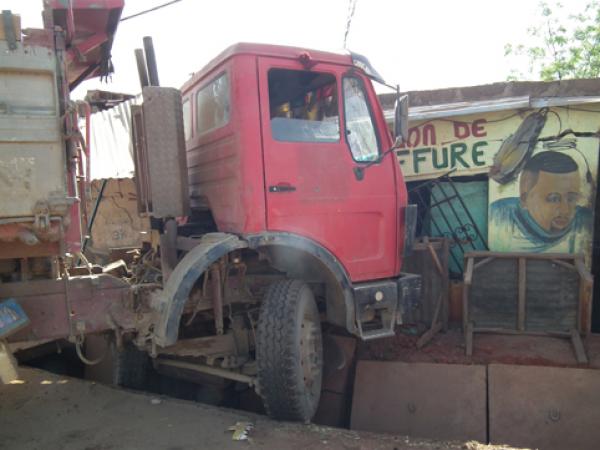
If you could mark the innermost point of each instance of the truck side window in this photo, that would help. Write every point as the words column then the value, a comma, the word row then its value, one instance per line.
column 360, row 130
column 187, row 119
column 303, row 106
column 213, row 105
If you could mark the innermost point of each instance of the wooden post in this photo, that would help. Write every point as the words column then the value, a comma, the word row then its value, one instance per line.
column 578, row 347
column 469, row 339
column 522, row 291
column 467, row 284
column 586, row 283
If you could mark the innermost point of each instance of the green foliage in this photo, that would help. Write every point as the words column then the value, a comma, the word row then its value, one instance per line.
column 567, row 46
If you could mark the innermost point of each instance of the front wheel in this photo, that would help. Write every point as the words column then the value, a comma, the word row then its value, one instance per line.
column 289, row 352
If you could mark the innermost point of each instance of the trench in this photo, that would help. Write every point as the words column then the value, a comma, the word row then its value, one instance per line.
column 61, row 358
column 212, row 391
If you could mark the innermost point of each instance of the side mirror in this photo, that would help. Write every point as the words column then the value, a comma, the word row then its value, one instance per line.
column 401, row 120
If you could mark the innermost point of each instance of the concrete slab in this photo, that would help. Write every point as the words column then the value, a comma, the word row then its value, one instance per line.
column 439, row 401
column 544, row 407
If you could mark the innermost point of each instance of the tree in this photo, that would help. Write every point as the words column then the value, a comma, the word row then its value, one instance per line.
column 567, row 46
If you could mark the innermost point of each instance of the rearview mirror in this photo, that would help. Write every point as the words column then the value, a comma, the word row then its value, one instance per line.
column 401, row 120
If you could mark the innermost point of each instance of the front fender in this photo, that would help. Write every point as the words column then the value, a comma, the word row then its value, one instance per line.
column 176, row 291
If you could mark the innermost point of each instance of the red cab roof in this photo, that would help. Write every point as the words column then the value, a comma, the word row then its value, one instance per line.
column 277, row 51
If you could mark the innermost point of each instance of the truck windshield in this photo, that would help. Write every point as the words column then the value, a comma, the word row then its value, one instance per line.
column 360, row 129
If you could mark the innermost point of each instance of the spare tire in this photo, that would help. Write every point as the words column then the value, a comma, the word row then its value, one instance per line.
column 289, row 351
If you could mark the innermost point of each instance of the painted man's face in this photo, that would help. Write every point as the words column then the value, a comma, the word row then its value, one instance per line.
column 553, row 199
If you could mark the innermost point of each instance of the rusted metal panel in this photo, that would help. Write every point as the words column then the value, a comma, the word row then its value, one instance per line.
column 32, row 155
column 544, row 407
column 55, row 306
column 503, row 92
column 18, row 249
column 439, row 401
column 160, row 153
column 203, row 346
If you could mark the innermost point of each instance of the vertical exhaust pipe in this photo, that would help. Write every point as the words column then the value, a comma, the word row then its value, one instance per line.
column 141, row 67
column 151, row 61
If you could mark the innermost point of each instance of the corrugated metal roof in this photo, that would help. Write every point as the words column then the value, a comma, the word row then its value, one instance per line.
column 110, row 142
column 466, row 108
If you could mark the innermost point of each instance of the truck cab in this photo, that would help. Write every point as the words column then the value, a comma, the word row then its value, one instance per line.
column 274, row 139
column 278, row 204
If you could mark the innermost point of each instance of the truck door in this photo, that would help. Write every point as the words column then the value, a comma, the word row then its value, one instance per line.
column 318, row 126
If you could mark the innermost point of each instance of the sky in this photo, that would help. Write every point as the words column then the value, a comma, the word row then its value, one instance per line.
column 419, row 45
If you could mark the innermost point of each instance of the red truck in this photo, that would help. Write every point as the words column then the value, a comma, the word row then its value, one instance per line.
column 276, row 204
column 295, row 213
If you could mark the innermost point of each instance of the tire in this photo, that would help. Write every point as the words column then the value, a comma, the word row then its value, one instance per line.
column 289, row 351
column 130, row 367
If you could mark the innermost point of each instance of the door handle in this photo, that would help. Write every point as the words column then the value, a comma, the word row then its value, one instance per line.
column 282, row 187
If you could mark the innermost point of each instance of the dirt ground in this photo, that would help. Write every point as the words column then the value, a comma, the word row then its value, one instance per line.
column 448, row 348
column 48, row 411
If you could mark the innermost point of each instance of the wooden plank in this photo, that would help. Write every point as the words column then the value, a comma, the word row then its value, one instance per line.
column 436, row 325
column 435, row 242
column 436, row 260
column 578, row 347
column 583, row 271
column 586, row 283
column 482, row 263
column 468, row 277
column 469, row 340
column 564, row 264
column 485, row 254
column 465, row 306
column 445, row 252
column 559, row 334
column 521, row 297
column 429, row 334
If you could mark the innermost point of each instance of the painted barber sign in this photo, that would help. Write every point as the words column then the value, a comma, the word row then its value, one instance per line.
column 542, row 166
column 542, row 186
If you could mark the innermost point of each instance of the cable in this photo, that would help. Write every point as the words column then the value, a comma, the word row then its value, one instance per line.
column 90, row 362
column 149, row 10
column 579, row 109
column 351, row 9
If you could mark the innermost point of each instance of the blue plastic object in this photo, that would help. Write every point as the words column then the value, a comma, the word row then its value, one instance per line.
column 12, row 317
